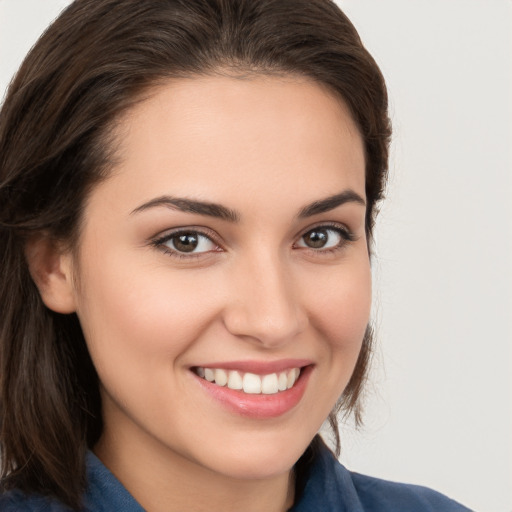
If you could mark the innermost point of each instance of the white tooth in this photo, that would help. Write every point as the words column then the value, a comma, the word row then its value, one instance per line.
column 252, row 383
column 221, row 377
column 291, row 379
column 200, row 371
column 235, row 380
column 209, row 374
column 269, row 384
column 297, row 373
column 282, row 381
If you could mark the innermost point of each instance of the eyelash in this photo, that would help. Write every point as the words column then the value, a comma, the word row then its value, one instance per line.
column 159, row 243
column 346, row 237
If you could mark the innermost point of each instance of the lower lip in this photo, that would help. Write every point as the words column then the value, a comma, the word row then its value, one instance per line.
column 258, row 406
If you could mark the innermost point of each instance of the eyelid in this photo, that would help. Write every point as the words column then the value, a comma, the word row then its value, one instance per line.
column 337, row 226
column 159, row 240
column 346, row 234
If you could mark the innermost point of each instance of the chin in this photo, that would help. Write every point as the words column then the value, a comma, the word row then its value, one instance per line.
column 260, row 457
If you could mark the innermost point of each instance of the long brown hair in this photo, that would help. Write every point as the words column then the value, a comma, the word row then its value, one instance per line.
column 93, row 63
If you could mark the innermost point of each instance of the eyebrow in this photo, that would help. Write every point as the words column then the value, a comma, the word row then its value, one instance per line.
column 330, row 203
column 224, row 213
column 191, row 206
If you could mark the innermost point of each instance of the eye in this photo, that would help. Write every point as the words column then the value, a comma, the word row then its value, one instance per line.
column 186, row 242
column 324, row 237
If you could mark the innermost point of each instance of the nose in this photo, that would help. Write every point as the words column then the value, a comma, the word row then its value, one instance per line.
column 265, row 305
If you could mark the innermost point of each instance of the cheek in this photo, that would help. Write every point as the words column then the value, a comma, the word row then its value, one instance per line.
column 341, row 307
column 139, row 319
column 339, row 314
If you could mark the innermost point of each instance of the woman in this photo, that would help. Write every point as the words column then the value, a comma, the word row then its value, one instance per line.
column 188, row 191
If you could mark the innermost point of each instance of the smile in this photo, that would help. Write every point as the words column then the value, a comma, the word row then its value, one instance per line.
column 250, row 383
column 255, row 389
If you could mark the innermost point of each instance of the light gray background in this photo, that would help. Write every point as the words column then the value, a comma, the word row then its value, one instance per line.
column 440, row 398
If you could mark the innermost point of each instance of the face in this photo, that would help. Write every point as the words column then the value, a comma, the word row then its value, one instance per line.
column 227, row 250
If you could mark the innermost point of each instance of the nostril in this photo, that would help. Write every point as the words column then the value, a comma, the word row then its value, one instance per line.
column 270, row 331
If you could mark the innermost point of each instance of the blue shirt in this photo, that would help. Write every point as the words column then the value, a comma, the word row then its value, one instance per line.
column 327, row 486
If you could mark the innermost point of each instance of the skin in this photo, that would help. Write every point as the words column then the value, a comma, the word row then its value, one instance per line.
column 265, row 147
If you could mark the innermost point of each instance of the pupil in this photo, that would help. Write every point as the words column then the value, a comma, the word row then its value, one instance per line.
column 186, row 242
column 316, row 239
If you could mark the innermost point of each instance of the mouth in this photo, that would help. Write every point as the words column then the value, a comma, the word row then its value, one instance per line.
column 255, row 390
column 250, row 383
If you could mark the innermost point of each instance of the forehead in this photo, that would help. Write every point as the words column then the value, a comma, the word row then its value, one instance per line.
column 210, row 136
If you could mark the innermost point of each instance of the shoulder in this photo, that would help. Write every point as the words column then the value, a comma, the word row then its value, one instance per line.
column 330, row 487
column 17, row 501
column 104, row 493
column 383, row 495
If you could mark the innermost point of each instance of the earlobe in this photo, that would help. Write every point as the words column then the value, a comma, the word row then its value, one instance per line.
column 51, row 269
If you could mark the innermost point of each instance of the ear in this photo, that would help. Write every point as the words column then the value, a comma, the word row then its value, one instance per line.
column 51, row 269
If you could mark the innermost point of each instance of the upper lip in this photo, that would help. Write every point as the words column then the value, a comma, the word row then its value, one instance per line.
column 258, row 367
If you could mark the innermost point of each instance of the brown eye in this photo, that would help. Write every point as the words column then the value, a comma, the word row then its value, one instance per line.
column 188, row 242
column 316, row 239
column 322, row 238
